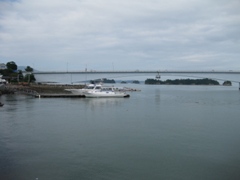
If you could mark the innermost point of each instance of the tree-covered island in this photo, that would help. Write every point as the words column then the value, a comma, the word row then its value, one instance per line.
column 104, row 80
column 227, row 83
column 204, row 81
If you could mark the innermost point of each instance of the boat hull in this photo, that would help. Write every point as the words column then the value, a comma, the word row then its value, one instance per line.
column 106, row 95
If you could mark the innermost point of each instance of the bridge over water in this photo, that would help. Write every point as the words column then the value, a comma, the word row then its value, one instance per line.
column 80, row 76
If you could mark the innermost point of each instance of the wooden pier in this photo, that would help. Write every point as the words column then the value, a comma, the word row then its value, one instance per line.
column 59, row 96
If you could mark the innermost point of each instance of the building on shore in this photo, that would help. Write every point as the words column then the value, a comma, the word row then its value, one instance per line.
column 3, row 66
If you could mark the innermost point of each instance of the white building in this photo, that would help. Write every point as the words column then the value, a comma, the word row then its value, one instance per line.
column 2, row 66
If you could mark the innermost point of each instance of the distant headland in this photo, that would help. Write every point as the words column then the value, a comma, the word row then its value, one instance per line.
column 204, row 81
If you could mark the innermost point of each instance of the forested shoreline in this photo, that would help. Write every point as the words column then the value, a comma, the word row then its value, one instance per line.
column 204, row 81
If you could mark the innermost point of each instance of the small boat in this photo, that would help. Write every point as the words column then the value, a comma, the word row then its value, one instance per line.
column 85, row 89
column 1, row 104
column 97, row 90
column 105, row 92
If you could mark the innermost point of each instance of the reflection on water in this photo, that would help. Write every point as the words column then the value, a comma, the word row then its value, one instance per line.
column 162, row 132
column 105, row 102
column 12, row 102
column 157, row 96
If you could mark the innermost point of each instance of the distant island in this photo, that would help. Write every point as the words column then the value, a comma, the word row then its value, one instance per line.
column 104, row 80
column 123, row 82
column 227, row 83
column 112, row 81
column 130, row 81
column 204, row 81
column 136, row 82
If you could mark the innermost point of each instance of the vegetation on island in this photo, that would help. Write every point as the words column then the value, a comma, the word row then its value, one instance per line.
column 104, row 80
column 204, row 81
column 227, row 83
column 112, row 81
column 13, row 75
column 136, row 82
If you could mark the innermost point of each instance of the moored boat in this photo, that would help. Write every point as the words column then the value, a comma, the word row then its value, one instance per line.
column 105, row 92
column 97, row 90
column 85, row 89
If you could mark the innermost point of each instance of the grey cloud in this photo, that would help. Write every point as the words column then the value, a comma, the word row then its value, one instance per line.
column 169, row 34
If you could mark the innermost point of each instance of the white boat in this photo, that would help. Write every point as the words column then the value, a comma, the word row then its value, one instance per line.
column 85, row 89
column 105, row 92
column 97, row 90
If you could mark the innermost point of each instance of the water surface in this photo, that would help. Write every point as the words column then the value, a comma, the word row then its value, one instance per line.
column 162, row 132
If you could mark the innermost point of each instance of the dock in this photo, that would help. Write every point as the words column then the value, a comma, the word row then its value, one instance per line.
column 59, row 96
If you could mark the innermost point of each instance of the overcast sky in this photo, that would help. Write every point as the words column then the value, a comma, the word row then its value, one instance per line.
column 121, row 34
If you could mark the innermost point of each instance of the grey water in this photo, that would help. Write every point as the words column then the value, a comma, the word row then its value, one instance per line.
column 161, row 132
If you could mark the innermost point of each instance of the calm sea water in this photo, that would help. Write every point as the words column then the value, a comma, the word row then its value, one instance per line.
column 162, row 132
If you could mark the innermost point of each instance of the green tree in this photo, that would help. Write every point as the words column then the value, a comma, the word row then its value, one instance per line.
column 20, row 76
column 29, row 78
column 11, row 66
column 29, row 69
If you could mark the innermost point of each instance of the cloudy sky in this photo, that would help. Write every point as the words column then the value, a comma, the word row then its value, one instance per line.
column 121, row 34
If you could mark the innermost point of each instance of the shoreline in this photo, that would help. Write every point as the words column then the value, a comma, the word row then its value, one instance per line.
column 60, row 88
column 38, row 88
